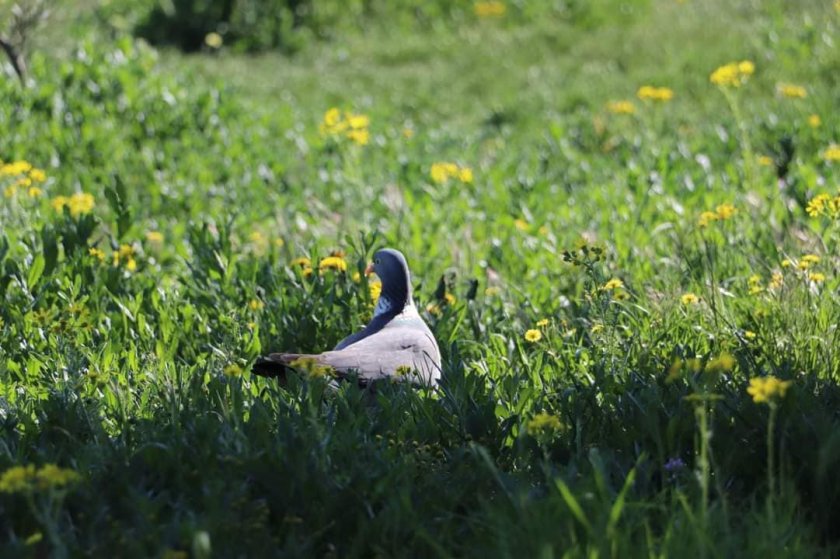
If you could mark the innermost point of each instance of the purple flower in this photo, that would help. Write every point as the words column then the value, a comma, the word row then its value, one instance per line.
column 674, row 465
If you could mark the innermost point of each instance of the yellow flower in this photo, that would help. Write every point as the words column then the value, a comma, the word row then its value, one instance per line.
column 791, row 91
column 816, row 206
column 490, row 8
column 449, row 298
column 689, row 299
column 154, row 237
column 765, row 161
column 10, row 191
column 441, row 172
column 647, row 92
column 533, row 336
column 465, row 175
column 721, row 364
column 767, row 389
column 816, row 277
column 492, row 291
column 213, row 40
column 787, row 263
column 542, row 323
column 621, row 107
column 332, row 117
column 131, row 265
column 255, row 304
column 14, row 169
column 706, row 218
column 79, row 204
column 301, row 261
column 332, row 263
column 543, row 422
column 233, row 370
column 97, row 253
column 375, row 290
column 17, row 479
column 358, row 122
column 37, row 175
column 776, row 280
column 814, row 121
column 832, row 153
column 733, row 74
column 35, row 192
column 361, row 137
column 521, row 224
column 749, row 334
column 614, row 283
column 50, row 475
column 433, row 308
column 725, row 211
column 408, row 133
column 811, row 258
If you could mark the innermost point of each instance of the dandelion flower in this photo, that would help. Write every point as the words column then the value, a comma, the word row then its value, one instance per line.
column 614, row 283
column 332, row 263
column 37, row 175
column 97, row 253
column 765, row 161
column 543, row 422
column 542, row 323
column 725, row 211
column 816, row 277
column 814, row 121
column 733, row 74
column 255, row 305
column 488, row 9
column 154, row 237
column 765, row 390
column 233, row 371
column 35, row 192
column 661, row 94
column 621, row 107
column 689, row 299
column 791, row 91
column 832, row 153
column 533, row 336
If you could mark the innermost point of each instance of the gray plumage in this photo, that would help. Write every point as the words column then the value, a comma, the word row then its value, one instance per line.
column 396, row 342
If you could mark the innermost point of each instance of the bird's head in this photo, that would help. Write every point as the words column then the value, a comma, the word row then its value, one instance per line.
column 390, row 266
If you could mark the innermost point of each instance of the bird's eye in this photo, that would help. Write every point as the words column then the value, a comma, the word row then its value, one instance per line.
column 376, row 261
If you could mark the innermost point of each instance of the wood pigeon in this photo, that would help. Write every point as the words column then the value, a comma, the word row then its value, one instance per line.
column 396, row 343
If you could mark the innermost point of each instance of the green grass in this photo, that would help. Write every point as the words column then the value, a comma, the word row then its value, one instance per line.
column 131, row 369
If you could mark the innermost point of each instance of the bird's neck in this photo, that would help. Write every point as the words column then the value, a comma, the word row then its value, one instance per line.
column 394, row 299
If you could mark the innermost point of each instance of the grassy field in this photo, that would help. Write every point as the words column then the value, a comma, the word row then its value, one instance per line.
column 622, row 221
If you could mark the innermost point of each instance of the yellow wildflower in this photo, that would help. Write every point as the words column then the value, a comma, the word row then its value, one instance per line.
column 37, row 175
column 434, row 309
column 811, row 258
column 689, row 299
column 491, row 8
column 79, row 204
column 721, row 364
column 791, row 91
column 17, row 479
column 442, row 172
column 542, row 323
column 816, row 277
column 765, row 390
column 543, row 422
column 725, row 211
column 255, row 305
column 449, row 298
column 750, row 335
column 14, row 169
column 814, row 121
column 213, row 40
column 35, row 192
column 533, row 335
column 816, row 206
column 706, row 218
column 465, row 175
column 332, row 263
column 361, row 137
column 621, row 107
column 614, row 283
column 97, row 253
column 375, row 290
column 787, row 263
column 154, row 237
column 521, row 224
column 301, row 261
column 733, row 74
column 832, row 153
column 647, row 92
column 233, row 370
column 776, row 280
column 408, row 133
column 10, row 191
column 492, row 291
column 765, row 160
column 50, row 475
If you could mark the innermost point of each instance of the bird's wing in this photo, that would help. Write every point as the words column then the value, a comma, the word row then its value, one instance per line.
column 402, row 350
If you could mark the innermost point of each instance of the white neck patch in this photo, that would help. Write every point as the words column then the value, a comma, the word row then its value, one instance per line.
column 383, row 305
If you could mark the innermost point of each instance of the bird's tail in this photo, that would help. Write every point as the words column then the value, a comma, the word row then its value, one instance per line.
column 277, row 364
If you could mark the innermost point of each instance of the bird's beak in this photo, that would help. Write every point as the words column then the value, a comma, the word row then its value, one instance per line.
column 369, row 269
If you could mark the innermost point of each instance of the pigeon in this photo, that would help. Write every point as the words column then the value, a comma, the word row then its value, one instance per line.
column 396, row 343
